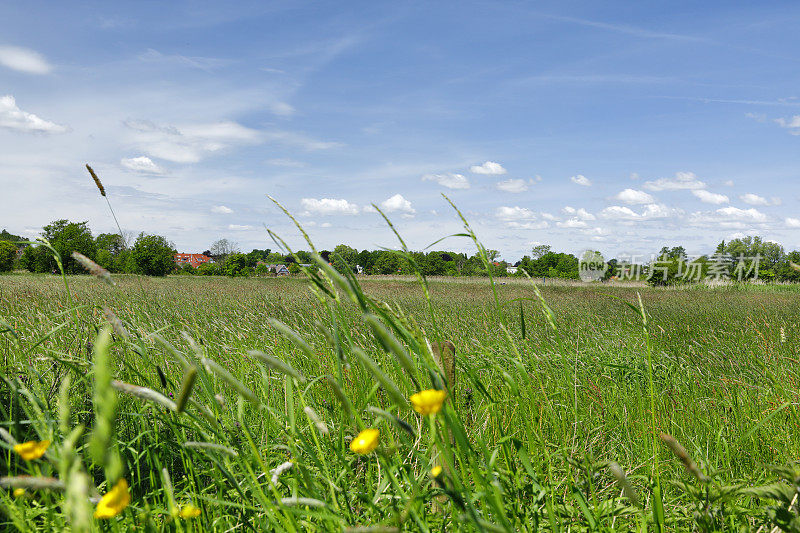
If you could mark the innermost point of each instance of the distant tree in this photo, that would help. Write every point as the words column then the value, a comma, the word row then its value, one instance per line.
column 540, row 251
column 28, row 259
column 8, row 254
column 236, row 265
column 344, row 258
column 387, row 263
column 294, row 269
column 6, row 236
column 153, row 255
column 304, row 257
column 325, row 255
column 208, row 269
column 65, row 237
column 186, row 269
column 262, row 269
column 221, row 248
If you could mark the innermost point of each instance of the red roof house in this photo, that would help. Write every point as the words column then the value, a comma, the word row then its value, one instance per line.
column 191, row 259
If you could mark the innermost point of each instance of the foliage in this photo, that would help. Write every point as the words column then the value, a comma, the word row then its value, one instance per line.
column 8, row 255
column 153, row 255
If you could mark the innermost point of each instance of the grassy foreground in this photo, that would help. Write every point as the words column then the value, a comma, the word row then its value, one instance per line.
column 558, row 414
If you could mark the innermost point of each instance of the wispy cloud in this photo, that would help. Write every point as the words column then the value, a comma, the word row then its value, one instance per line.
column 449, row 180
column 24, row 60
column 627, row 30
column 681, row 181
column 142, row 164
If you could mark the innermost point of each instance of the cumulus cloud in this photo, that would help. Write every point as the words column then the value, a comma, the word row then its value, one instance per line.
column 634, row 197
column 682, row 180
column 651, row 211
column 729, row 217
column 754, row 199
column 513, row 186
column 189, row 143
column 580, row 213
column 514, row 213
column 222, row 210
column 328, row 206
column 710, row 197
column 142, row 164
column 13, row 118
column 792, row 124
column 581, row 180
column 573, row 222
column 489, row 167
column 398, row 204
column 792, row 222
column 449, row 180
column 23, row 60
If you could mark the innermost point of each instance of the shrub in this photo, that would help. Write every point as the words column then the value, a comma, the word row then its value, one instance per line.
column 8, row 253
column 153, row 255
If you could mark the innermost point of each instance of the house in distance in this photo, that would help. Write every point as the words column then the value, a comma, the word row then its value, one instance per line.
column 192, row 259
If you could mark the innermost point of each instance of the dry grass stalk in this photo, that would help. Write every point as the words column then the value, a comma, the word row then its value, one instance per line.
column 96, row 180
column 93, row 268
column 681, row 453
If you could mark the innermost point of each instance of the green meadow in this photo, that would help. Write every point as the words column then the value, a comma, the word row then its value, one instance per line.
column 577, row 407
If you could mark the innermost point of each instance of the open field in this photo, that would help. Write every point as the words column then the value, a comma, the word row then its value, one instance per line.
column 535, row 415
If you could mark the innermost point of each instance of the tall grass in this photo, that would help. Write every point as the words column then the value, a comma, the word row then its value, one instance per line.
column 567, row 409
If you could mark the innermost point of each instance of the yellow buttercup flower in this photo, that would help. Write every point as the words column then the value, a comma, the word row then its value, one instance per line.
column 114, row 501
column 189, row 511
column 428, row 401
column 19, row 492
column 436, row 471
column 32, row 449
column 366, row 441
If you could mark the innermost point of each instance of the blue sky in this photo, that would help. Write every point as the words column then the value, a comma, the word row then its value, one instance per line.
column 619, row 127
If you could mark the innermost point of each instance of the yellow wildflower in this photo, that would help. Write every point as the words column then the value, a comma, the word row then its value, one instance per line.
column 32, row 449
column 428, row 401
column 436, row 471
column 114, row 501
column 189, row 511
column 19, row 492
column 366, row 441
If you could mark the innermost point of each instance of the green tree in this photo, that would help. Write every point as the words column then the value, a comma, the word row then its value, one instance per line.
column 66, row 237
column 344, row 258
column 153, row 255
column 8, row 254
column 294, row 269
column 235, row 264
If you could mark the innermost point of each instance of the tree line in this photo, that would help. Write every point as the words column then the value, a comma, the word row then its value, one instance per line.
column 154, row 255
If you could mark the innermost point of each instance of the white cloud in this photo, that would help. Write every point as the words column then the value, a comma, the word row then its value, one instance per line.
column 710, row 197
column 222, row 210
column 754, row 199
column 23, row 60
column 729, row 183
column 792, row 124
column 489, row 167
column 651, row 211
column 514, row 213
column 548, row 216
column 449, row 180
column 682, row 180
column 528, row 225
column 573, row 222
column 142, row 164
column 581, row 180
column 512, row 185
column 580, row 213
column 290, row 163
column 328, row 206
column 792, row 222
column 239, row 227
column 634, row 197
column 189, row 143
column 13, row 118
column 619, row 212
column 398, row 204
column 751, row 214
